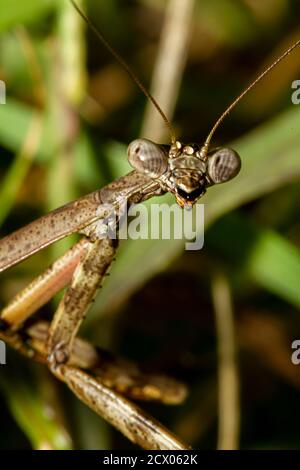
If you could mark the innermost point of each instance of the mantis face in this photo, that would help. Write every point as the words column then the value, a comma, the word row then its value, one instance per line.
column 181, row 169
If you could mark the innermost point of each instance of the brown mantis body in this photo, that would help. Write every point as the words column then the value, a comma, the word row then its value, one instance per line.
column 185, row 171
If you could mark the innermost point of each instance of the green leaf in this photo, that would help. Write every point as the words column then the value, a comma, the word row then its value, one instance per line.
column 14, row 12
column 30, row 412
column 259, row 253
column 274, row 264
column 15, row 119
column 85, row 163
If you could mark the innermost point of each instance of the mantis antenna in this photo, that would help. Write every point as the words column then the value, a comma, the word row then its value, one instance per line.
column 127, row 68
column 206, row 145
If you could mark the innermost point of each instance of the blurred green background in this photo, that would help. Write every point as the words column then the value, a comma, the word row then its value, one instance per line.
column 70, row 112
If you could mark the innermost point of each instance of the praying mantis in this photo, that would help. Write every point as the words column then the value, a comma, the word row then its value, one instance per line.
column 186, row 171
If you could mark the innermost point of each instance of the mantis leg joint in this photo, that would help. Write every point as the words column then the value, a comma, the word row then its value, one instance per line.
column 58, row 356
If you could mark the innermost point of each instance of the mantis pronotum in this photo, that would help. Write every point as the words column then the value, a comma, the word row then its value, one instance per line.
column 183, row 170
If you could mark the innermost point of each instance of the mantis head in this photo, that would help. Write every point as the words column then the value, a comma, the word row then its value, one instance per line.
column 182, row 169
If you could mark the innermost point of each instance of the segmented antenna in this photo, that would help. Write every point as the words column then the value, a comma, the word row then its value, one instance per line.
column 206, row 145
column 127, row 68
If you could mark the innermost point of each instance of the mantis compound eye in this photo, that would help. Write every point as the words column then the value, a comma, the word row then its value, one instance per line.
column 147, row 158
column 223, row 165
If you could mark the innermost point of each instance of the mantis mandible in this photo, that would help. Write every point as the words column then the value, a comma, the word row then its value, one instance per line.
column 186, row 171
